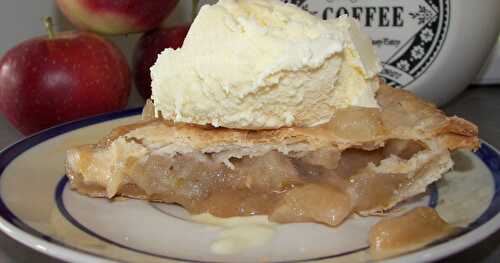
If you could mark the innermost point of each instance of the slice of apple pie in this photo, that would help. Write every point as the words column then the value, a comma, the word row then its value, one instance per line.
column 365, row 160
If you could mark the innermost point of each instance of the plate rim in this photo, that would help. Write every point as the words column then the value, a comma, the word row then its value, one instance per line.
column 8, row 154
column 56, row 249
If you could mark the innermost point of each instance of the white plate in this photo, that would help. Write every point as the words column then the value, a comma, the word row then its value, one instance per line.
column 38, row 209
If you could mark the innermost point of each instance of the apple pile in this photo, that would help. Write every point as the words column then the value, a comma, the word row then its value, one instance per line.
column 65, row 76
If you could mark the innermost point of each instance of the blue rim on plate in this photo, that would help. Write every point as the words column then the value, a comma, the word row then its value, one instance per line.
column 486, row 153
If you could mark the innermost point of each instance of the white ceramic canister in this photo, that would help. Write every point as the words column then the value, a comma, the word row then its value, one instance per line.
column 434, row 48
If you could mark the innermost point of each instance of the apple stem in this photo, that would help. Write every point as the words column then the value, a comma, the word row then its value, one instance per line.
column 194, row 10
column 49, row 26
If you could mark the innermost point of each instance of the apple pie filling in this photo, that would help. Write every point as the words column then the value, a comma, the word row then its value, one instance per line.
column 323, row 186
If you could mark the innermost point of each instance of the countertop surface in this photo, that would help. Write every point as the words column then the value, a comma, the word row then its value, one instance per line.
column 480, row 104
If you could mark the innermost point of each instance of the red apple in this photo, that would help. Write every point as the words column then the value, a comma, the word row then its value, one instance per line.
column 45, row 81
column 116, row 16
column 150, row 45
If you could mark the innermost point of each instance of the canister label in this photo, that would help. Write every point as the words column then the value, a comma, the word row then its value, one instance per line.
column 407, row 34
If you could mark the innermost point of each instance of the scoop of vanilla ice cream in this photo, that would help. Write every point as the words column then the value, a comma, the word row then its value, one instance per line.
column 264, row 64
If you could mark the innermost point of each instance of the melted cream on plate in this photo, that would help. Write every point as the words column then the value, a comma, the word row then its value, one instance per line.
column 238, row 233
